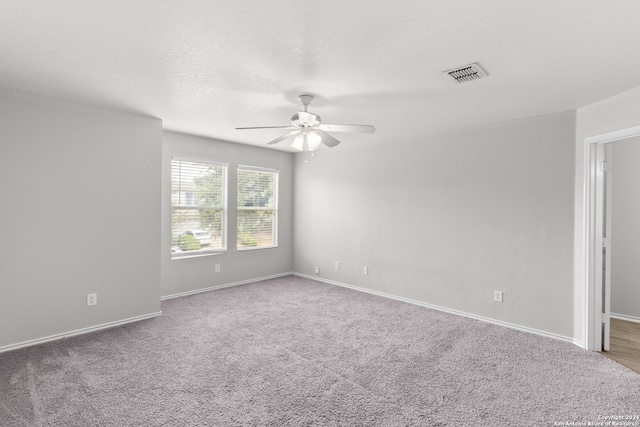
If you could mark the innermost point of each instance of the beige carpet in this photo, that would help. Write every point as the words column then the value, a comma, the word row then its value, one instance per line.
column 296, row 352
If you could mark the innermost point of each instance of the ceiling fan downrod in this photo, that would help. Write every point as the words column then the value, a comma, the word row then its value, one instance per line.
column 305, row 100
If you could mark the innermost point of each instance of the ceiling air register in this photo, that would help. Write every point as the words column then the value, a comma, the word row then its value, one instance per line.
column 467, row 73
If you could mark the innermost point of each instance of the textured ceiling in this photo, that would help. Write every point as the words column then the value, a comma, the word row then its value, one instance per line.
column 206, row 67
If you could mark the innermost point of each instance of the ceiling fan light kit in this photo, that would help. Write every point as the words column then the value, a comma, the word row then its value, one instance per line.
column 307, row 140
column 308, row 131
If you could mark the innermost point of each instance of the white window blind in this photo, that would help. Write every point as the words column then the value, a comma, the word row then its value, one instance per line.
column 198, row 208
column 257, row 208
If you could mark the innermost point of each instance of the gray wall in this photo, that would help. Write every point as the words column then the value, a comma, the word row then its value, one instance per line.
column 466, row 224
column 191, row 274
column 80, row 196
column 625, row 228
column 448, row 218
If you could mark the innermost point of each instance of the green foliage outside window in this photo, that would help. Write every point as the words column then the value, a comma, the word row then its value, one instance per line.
column 188, row 243
column 257, row 207
column 198, row 200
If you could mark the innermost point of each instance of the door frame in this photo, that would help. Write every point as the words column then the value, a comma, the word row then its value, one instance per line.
column 593, row 234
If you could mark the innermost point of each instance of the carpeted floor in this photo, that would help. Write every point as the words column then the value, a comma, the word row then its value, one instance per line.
column 296, row 352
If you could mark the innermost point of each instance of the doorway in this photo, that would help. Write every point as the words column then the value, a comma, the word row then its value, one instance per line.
column 597, row 235
column 623, row 212
column 613, row 308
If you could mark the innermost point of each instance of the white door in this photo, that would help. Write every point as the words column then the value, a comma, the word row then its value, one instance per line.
column 603, row 195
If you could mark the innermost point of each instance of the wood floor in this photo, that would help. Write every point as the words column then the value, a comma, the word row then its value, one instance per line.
column 625, row 344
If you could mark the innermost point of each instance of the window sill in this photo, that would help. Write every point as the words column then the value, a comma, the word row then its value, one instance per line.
column 255, row 248
column 196, row 255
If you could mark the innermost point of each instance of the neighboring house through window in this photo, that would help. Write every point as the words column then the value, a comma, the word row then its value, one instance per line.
column 189, row 199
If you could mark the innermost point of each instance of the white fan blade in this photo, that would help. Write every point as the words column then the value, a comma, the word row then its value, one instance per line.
column 327, row 139
column 267, row 127
column 348, row 128
column 283, row 137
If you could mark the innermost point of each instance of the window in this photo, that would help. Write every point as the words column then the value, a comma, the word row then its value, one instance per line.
column 198, row 208
column 257, row 208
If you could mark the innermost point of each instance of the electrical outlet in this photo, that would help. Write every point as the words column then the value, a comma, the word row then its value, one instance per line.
column 365, row 271
column 317, row 270
column 92, row 299
column 337, row 265
column 217, row 268
column 497, row 296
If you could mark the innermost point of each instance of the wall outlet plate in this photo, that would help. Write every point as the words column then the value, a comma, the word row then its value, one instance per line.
column 217, row 268
column 497, row 296
column 317, row 270
column 92, row 299
column 337, row 265
column 365, row 271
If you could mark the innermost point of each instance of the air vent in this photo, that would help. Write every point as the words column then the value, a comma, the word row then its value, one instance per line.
column 467, row 73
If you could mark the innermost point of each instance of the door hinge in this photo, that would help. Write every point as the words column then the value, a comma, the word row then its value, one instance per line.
column 605, row 242
column 604, row 166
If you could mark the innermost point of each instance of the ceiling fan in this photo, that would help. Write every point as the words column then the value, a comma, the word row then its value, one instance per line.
column 308, row 130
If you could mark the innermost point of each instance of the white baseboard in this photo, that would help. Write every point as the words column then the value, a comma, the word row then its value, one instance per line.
column 331, row 282
column 579, row 344
column 444, row 309
column 625, row 317
column 78, row 332
column 226, row 285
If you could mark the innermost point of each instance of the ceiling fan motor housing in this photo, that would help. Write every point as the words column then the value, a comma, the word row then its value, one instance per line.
column 305, row 119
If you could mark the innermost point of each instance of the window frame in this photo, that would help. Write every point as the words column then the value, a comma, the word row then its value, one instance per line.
column 274, row 208
column 224, row 208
